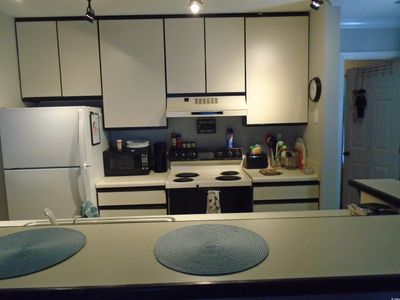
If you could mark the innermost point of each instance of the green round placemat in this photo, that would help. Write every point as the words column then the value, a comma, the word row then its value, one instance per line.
column 30, row 251
column 211, row 249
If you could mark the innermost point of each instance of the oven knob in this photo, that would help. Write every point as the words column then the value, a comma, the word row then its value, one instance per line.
column 219, row 155
column 230, row 154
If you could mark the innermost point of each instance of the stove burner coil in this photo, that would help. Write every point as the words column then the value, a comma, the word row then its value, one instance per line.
column 230, row 173
column 183, row 179
column 187, row 174
column 228, row 178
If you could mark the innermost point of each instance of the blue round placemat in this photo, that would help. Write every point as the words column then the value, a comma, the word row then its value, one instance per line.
column 31, row 251
column 211, row 249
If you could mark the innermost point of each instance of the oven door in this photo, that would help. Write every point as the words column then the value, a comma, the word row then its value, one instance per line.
column 194, row 201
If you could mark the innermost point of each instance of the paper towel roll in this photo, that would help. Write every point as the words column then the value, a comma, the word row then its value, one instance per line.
column 213, row 203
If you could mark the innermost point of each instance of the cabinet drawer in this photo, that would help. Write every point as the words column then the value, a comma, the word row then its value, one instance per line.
column 132, row 212
column 286, row 192
column 131, row 198
column 285, row 207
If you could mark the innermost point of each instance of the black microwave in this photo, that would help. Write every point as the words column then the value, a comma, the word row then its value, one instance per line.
column 127, row 162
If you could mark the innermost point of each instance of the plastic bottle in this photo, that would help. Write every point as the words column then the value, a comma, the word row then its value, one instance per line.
column 173, row 140
column 178, row 141
column 229, row 138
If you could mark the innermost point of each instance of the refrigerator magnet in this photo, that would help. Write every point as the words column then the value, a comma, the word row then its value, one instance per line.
column 95, row 128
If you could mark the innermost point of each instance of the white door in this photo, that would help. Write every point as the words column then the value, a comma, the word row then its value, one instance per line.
column 372, row 143
column 225, row 54
column 39, row 137
column 132, row 62
column 79, row 58
column 38, row 59
column 185, row 58
column 30, row 191
column 277, row 70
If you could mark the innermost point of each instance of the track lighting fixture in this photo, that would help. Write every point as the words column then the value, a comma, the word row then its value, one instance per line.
column 316, row 4
column 195, row 5
column 90, row 14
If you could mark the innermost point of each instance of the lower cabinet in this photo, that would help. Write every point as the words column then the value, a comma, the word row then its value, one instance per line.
column 286, row 196
column 141, row 201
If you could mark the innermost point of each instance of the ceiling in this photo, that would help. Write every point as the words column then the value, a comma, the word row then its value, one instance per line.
column 354, row 10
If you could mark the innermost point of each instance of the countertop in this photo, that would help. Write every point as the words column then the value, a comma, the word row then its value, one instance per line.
column 158, row 179
column 153, row 179
column 301, row 249
column 286, row 176
column 385, row 189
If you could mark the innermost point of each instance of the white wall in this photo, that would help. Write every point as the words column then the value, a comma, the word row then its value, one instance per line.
column 9, row 84
column 370, row 39
column 324, row 138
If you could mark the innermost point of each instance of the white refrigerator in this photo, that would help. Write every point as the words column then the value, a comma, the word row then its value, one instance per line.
column 52, row 157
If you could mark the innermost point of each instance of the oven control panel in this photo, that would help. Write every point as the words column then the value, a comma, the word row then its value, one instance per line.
column 192, row 154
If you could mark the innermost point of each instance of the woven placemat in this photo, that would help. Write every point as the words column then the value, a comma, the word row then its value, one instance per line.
column 31, row 251
column 211, row 249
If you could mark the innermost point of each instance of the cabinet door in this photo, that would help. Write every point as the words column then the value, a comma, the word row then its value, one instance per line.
column 38, row 59
column 79, row 58
column 277, row 69
column 132, row 63
column 225, row 54
column 184, row 45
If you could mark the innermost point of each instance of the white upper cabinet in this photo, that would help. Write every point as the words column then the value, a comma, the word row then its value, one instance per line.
column 79, row 58
column 277, row 69
column 58, row 59
column 225, row 55
column 38, row 59
column 133, row 72
column 184, row 45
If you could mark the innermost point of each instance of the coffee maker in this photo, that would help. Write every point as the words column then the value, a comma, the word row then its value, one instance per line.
column 160, row 157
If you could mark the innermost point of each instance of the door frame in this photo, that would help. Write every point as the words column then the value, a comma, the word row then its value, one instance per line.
column 364, row 55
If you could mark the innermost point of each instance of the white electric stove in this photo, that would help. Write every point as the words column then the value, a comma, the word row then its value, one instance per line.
column 194, row 172
column 199, row 174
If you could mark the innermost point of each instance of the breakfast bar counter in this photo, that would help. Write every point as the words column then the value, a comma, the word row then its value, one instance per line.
column 330, row 253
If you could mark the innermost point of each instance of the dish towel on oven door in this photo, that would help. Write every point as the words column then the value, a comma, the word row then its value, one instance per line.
column 213, row 203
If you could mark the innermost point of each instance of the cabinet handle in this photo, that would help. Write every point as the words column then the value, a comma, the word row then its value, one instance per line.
column 346, row 153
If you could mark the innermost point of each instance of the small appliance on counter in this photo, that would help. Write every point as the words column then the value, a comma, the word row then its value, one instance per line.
column 256, row 161
column 160, row 157
column 133, row 159
column 256, row 158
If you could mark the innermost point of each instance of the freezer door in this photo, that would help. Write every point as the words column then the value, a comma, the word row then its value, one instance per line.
column 30, row 191
column 40, row 137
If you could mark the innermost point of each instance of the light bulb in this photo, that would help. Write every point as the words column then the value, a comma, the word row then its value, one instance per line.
column 195, row 7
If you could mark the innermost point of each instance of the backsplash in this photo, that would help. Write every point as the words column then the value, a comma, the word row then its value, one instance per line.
column 244, row 136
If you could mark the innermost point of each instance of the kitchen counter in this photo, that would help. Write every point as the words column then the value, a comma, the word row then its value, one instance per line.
column 286, row 176
column 376, row 190
column 336, row 253
column 159, row 179
column 153, row 179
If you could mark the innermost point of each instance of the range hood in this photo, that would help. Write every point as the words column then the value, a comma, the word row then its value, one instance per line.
column 207, row 106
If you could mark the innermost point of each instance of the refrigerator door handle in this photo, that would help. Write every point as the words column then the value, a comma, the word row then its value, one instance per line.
column 83, row 165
